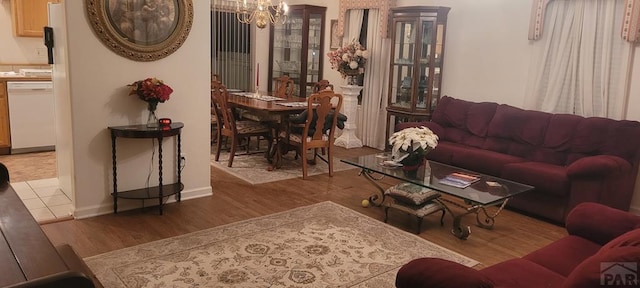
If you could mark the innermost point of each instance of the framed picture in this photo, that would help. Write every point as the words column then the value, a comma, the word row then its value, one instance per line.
column 335, row 41
column 142, row 30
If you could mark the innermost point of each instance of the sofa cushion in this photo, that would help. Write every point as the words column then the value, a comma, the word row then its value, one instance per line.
column 617, row 267
column 573, row 249
column 484, row 161
column 522, row 273
column 522, row 126
column 551, row 179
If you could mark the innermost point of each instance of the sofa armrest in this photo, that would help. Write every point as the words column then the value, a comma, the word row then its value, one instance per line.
column 439, row 273
column 598, row 166
column 599, row 223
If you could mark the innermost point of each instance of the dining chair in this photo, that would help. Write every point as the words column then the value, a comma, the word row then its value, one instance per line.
column 229, row 127
column 283, row 87
column 322, row 85
column 317, row 131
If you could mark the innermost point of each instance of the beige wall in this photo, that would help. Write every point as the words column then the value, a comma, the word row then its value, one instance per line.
column 99, row 99
column 17, row 49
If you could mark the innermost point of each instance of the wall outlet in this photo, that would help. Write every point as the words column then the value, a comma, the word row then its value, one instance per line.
column 41, row 52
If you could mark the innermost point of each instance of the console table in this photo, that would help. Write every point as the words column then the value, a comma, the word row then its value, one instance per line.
column 160, row 191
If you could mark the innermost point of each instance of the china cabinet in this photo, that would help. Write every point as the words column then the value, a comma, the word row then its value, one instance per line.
column 29, row 17
column 417, row 54
column 297, row 48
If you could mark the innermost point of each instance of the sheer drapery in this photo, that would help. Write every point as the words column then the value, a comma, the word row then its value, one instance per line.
column 580, row 64
column 354, row 23
column 375, row 85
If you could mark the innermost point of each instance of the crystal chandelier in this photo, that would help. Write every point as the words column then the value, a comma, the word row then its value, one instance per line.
column 262, row 11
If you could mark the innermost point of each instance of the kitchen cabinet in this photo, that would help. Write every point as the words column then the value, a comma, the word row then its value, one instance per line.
column 5, row 138
column 29, row 17
column 417, row 54
column 297, row 48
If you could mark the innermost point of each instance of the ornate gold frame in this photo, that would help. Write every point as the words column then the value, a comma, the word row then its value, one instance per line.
column 114, row 39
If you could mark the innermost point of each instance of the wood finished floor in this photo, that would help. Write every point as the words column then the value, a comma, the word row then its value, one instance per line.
column 514, row 235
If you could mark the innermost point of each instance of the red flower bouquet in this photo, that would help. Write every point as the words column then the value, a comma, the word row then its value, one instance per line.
column 151, row 90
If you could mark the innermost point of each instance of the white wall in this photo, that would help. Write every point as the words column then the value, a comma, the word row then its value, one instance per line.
column 98, row 96
column 17, row 50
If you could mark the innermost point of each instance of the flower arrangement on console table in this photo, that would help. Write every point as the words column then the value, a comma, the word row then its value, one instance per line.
column 349, row 60
column 410, row 146
column 152, row 91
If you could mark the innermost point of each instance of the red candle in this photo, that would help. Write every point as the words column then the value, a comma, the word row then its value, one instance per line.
column 258, row 75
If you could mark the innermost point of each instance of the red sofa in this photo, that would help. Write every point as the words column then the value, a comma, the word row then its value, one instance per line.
column 569, row 159
column 603, row 245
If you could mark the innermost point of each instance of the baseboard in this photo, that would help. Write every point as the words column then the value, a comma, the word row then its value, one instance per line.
column 124, row 204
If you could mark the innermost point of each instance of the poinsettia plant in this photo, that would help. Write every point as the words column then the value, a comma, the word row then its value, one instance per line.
column 411, row 145
column 152, row 90
column 349, row 60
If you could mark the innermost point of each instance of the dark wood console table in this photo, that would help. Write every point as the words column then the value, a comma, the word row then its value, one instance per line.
column 160, row 191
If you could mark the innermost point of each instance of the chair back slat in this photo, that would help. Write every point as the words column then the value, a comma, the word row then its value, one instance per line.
column 322, row 85
column 323, row 106
column 220, row 98
column 283, row 87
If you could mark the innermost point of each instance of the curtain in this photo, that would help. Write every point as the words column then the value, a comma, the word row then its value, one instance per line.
column 581, row 64
column 353, row 25
column 375, row 85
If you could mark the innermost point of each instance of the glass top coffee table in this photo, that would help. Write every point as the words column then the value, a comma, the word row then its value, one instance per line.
column 485, row 191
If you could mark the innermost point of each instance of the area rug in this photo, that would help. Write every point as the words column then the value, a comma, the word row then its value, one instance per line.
column 252, row 168
column 321, row 245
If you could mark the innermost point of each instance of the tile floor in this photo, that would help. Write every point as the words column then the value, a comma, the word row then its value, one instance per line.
column 44, row 199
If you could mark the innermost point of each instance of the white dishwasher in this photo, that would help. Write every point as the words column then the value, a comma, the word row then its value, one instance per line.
column 31, row 116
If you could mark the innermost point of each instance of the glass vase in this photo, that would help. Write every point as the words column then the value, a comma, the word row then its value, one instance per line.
column 152, row 119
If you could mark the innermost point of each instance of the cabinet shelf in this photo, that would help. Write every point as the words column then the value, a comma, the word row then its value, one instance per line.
column 151, row 192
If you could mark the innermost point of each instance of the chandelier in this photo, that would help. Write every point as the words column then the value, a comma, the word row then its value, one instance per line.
column 262, row 11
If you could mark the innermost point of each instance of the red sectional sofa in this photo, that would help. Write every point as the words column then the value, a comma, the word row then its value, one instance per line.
column 569, row 159
column 603, row 245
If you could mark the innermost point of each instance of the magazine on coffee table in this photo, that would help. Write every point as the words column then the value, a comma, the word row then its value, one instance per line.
column 460, row 180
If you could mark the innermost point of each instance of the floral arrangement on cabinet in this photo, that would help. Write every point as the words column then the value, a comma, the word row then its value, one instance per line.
column 152, row 91
column 349, row 60
column 411, row 145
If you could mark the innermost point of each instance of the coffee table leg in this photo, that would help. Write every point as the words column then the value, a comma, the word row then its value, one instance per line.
column 373, row 199
column 489, row 219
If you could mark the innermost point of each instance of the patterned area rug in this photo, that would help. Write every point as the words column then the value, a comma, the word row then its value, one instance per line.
column 252, row 168
column 321, row 245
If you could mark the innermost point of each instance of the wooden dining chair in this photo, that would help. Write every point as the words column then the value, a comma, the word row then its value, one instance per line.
column 283, row 87
column 229, row 127
column 317, row 131
column 322, row 85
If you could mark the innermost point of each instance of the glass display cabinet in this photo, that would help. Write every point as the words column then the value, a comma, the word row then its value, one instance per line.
column 297, row 48
column 417, row 54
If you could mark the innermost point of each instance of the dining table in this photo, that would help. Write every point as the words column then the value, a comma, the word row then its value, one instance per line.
column 264, row 103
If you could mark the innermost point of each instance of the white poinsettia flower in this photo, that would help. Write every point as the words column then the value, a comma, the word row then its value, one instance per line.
column 353, row 65
column 410, row 140
column 345, row 57
column 365, row 54
column 359, row 53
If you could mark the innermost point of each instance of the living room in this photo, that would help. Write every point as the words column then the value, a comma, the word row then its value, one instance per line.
column 488, row 58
